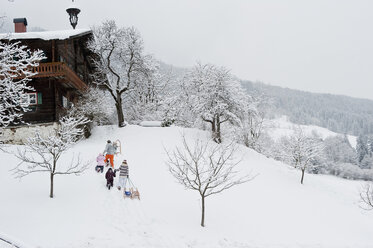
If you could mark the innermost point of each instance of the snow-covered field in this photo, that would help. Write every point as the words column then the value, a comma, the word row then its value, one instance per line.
column 279, row 127
column 273, row 210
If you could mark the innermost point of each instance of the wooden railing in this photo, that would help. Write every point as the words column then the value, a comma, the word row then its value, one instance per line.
column 59, row 69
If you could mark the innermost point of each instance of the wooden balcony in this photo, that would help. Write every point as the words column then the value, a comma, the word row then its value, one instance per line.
column 59, row 69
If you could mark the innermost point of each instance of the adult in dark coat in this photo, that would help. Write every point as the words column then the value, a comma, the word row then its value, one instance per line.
column 110, row 174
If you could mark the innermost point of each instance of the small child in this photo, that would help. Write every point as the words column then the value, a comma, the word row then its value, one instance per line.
column 100, row 163
column 110, row 174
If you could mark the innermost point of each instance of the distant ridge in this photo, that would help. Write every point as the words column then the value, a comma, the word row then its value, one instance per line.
column 342, row 114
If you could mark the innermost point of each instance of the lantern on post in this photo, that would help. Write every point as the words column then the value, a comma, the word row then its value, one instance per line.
column 73, row 12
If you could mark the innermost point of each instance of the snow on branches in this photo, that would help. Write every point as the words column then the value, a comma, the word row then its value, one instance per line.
column 301, row 150
column 120, row 61
column 215, row 96
column 16, row 63
column 41, row 154
column 95, row 104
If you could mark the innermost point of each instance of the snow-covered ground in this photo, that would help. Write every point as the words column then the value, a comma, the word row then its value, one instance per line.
column 279, row 127
column 273, row 210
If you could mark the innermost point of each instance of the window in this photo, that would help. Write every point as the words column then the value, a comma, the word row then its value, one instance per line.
column 30, row 98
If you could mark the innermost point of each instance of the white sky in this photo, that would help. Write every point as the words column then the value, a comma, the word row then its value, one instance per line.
column 313, row 45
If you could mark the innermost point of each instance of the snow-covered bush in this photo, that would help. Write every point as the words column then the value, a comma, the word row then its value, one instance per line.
column 348, row 171
column 95, row 105
column 251, row 125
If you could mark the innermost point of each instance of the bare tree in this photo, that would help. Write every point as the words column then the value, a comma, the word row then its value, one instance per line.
column 42, row 154
column 206, row 167
column 301, row 150
column 119, row 60
column 366, row 196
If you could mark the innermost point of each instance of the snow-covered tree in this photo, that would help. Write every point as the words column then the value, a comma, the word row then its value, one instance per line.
column 215, row 96
column 146, row 100
column 301, row 150
column 16, row 63
column 361, row 147
column 367, row 162
column 42, row 154
column 206, row 167
column 251, row 124
column 120, row 61
column 364, row 150
column 96, row 105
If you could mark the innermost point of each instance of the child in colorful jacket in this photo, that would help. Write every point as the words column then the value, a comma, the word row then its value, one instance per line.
column 100, row 163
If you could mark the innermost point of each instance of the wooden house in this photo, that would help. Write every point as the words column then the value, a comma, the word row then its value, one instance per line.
column 62, row 76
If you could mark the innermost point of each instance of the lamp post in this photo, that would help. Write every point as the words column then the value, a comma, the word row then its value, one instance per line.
column 73, row 12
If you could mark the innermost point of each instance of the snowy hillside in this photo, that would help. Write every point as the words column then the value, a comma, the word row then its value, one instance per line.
column 273, row 210
column 283, row 127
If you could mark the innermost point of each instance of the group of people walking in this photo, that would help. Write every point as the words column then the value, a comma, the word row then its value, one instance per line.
column 108, row 161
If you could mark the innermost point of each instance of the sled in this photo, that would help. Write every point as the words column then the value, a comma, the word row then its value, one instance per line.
column 126, row 194
column 135, row 194
column 118, row 145
column 132, row 193
column 133, row 190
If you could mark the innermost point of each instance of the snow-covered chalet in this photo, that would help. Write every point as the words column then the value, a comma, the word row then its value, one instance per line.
column 60, row 78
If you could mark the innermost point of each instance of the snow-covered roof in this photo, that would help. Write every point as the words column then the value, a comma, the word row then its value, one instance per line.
column 46, row 35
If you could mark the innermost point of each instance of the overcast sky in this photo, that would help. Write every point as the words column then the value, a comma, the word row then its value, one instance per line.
column 313, row 45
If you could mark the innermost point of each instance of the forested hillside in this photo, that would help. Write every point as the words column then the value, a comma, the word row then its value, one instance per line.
column 341, row 114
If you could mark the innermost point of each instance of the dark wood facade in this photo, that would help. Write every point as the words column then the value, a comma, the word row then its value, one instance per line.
column 61, row 77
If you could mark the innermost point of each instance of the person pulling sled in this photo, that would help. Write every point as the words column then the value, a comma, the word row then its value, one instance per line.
column 110, row 150
column 123, row 175
column 122, row 182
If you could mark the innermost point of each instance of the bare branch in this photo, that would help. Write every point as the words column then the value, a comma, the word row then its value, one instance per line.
column 366, row 197
column 206, row 167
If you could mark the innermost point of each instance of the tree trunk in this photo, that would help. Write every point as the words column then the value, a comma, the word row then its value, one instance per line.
column 213, row 129
column 218, row 134
column 203, row 211
column 118, row 105
column 301, row 180
column 51, row 188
